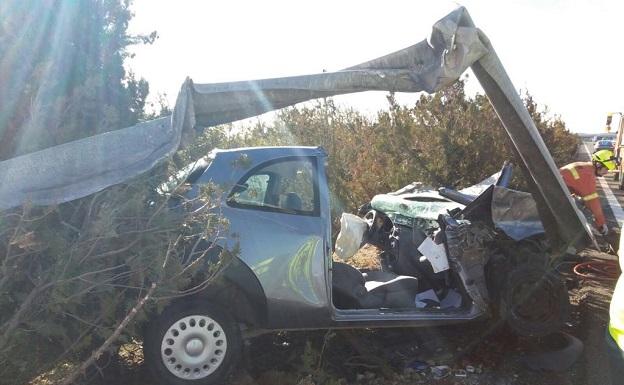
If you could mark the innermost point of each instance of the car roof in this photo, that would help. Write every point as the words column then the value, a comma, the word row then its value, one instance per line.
column 273, row 151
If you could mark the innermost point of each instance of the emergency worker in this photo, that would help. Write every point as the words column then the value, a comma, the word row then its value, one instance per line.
column 580, row 177
column 615, row 332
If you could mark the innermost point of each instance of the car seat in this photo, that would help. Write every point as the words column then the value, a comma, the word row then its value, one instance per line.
column 374, row 290
column 293, row 202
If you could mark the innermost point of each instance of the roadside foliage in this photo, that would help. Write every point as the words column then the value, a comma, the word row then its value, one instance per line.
column 72, row 274
column 61, row 72
column 448, row 139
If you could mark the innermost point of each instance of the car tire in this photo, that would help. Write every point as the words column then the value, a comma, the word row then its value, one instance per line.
column 534, row 301
column 192, row 342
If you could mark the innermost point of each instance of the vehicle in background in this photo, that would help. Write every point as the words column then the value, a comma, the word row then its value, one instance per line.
column 617, row 146
column 598, row 138
column 604, row 145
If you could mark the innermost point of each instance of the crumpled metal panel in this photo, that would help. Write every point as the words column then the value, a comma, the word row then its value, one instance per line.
column 564, row 223
column 478, row 189
column 515, row 213
column 82, row 167
column 76, row 169
column 429, row 65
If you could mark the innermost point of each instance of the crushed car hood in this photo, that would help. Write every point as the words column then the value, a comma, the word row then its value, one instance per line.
column 418, row 201
column 513, row 212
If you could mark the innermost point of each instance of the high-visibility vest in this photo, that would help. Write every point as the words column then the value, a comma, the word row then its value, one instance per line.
column 581, row 180
column 616, row 309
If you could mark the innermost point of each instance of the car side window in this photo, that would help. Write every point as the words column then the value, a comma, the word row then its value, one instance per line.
column 287, row 186
column 253, row 190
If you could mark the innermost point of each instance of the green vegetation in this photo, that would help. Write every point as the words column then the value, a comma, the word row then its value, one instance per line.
column 70, row 274
column 75, row 279
column 446, row 139
column 61, row 72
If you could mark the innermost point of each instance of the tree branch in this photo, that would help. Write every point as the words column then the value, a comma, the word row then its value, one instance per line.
column 109, row 341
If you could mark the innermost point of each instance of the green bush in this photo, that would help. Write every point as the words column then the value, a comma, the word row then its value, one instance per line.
column 71, row 273
column 446, row 139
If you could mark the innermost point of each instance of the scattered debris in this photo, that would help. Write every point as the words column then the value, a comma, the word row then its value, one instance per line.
column 418, row 366
column 441, row 371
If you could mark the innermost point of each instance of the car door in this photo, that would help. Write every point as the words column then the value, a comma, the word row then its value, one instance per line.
column 274, row 211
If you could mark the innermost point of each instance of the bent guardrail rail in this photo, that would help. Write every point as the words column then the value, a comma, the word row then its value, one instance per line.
column 77, row 169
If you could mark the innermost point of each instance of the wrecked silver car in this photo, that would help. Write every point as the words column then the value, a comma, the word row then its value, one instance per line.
column 277, row 205
column 284, row 276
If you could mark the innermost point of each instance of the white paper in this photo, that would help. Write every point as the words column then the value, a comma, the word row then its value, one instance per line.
column 435, row 254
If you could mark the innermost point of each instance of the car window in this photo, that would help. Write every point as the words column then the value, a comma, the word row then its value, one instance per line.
column 253, row 190
column 287, row 185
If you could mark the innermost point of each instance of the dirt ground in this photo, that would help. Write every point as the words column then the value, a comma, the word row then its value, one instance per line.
column 473, row 353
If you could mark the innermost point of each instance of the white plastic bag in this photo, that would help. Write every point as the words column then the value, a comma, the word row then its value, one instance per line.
column 352, row 230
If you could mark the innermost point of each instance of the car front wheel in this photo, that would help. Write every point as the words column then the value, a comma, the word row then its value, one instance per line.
column 534, row 301
column 192, row 342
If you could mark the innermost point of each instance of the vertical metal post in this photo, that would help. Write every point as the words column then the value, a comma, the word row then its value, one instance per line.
column 619, row 176
column 557, row 210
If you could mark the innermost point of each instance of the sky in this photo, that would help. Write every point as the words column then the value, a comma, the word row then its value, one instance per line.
column 566, row 53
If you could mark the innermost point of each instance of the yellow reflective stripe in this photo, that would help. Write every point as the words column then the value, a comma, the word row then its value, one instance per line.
column 617, row 335
column 573, row 171
column 616, row 313
column 590, row 197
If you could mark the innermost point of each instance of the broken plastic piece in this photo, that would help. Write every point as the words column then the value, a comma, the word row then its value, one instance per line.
column 440, row 372
column 418, row 366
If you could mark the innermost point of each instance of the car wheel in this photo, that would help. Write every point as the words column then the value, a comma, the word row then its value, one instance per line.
column 534, row 301
column 192, row 342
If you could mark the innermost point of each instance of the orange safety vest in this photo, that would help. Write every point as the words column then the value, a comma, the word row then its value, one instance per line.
column 580, row 177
